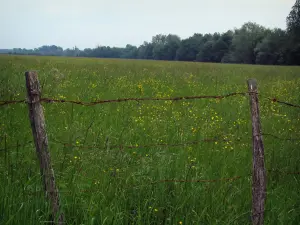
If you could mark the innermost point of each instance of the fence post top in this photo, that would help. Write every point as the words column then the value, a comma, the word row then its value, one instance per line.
column 252, row 84
column 31, row 72
column 32, row 83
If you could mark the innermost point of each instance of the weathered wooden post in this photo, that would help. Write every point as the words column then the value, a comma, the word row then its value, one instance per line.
column 37, row 120
column 258, row 167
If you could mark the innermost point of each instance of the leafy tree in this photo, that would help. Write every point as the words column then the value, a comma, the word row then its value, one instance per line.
column 219, row 49
column 227, row 37
column 171, row 47
column 145, row 51
column 206, row 52
column 165, row 46
column 216, row 36
column 293, row 21
column 189, row 48
column 130, row 52
column 87, row 52
column 72, row 52
column 271, row 50
column 158, row 42
column 293, row 29
column 245, row 40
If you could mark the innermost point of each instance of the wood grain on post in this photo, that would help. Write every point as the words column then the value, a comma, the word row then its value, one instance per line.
column 37, row 120
column 258, row 164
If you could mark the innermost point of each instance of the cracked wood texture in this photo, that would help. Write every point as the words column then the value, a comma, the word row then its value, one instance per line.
column 38, row 126
column 258, row 167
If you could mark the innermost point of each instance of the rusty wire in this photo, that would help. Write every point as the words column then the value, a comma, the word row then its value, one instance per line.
column 159, row 181
column 284, row 172
column 50, row 100
column 283, row 102
column 9, row 102
column 145, row 99
column 197, row 181
column 17, row 146
column 163, row 145
column 121, row 147
column 280, row 138
column 184, row 181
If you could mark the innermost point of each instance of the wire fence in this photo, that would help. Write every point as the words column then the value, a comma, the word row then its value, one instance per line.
column 257, row 146
column 121, row 146
column 92, row 103
column 51, row 100
column 283, row 102
column 280, row 138
column 16, row 146
column 152, row 145
column 227, row 179
column 94, row 190
column 166, row 145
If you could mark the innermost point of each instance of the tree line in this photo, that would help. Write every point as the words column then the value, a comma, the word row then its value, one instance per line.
column 249, row 44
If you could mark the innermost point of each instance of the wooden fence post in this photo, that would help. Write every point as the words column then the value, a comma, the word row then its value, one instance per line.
column 37, row 120
column 258, row 167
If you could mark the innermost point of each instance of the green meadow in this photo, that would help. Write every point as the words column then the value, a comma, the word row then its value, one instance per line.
column 100, row 183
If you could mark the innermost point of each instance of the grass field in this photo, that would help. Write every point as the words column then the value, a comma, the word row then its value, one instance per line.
column 101, row 185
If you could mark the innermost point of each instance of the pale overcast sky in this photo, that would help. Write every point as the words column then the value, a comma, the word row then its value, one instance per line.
column 87, row 23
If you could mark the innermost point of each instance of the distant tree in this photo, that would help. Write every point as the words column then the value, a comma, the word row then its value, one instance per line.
column 293, row 21
column 228, row 58
column 293, row 30
column 216, row 36
column 171, row 47
column 189, row 48
column 71, row 52
column 219, row 49
column 87, row 52
column 5, row 51
column 159, row 41
column 227, row 37
column 245, row 40
column 165, row 46
column 145, row 51
column 271, row 50
column 206, row 52
column 129, row 52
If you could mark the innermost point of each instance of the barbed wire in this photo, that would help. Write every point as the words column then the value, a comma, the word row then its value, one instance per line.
column 284, row 172
column 8, row 102
column 283, row 102
column 156, row 182
column 280, row 138
column 228, row 179
column 121, row 147
column 147, row 99
column 17, row 146
column 50, row 100
column 197, row 181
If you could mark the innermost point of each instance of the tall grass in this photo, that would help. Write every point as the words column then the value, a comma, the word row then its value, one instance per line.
column 101, row 185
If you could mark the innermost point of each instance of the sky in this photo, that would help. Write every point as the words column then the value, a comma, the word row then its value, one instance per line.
column 88, row 23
